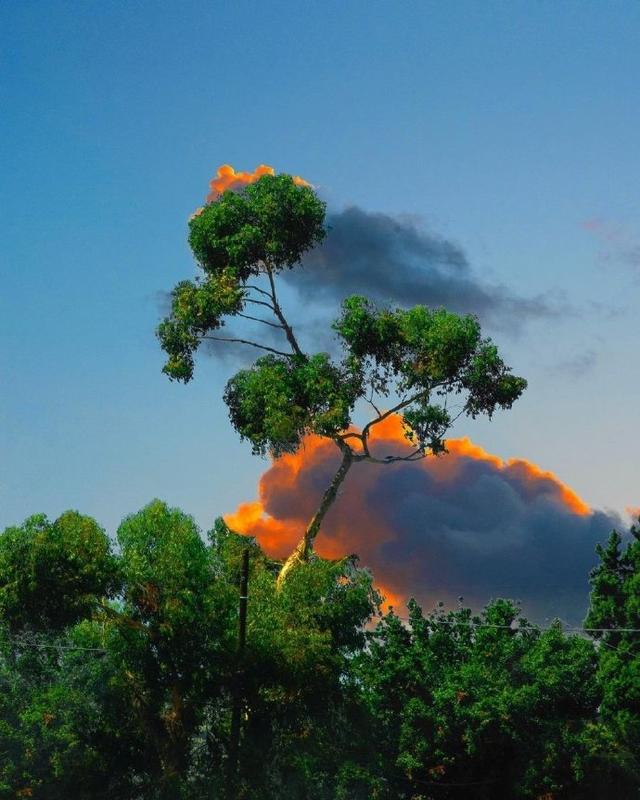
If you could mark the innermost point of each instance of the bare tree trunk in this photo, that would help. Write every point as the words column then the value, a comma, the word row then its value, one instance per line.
column 305, row 545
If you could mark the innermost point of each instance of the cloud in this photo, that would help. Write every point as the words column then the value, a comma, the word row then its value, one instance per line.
column 467, row 523
column 618, row 243
column 226, row 178
column 394, row 260
column 391, row 259
column 577, row 366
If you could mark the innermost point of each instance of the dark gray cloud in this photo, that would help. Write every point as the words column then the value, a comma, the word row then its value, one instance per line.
column 395, row 260
column 485, row 536
column 463, row 524
column 392, row 260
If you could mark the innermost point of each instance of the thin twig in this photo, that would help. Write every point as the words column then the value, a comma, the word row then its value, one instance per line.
column 257, row 289
column 400, row 406
column 251, row 344
column 259, row 303
column 258, row 319
column 371, row 403
column 416, row 455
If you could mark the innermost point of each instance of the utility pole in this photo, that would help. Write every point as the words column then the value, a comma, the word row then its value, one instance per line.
column 236, row 711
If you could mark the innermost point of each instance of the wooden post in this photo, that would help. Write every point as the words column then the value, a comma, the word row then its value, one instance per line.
column 236, row 711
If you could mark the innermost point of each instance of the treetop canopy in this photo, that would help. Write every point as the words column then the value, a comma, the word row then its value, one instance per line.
column 271, row 222
column 420, row 354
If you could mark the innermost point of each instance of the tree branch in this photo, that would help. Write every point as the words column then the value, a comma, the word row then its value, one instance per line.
column 351, row 435
column 417, row 455
column 257, row 289
column 305, row 545
column 246, row 341
column 278, row 312
column 258, row 319
column 398, row 407
column 259, row 303
column 373, row 405
column 394, row 410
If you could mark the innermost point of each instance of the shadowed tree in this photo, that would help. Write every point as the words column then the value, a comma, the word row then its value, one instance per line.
column 54, row 573
column 117, row 664
column 483, row 707
column 614, row 617
column 428, row 365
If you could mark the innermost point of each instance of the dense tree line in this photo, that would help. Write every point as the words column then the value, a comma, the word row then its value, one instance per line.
column 119, row 669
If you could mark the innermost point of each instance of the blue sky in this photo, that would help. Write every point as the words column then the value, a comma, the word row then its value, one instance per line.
column 510, row 128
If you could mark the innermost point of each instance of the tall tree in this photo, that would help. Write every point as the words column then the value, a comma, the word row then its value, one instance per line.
column 614, row 617
column 414, row 360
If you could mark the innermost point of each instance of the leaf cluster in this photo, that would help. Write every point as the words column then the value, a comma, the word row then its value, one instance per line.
column 132, row 697
column 279, row 400
column 53, row 573
column 273, row 222
column 197, row 307
column 424, row 354
column 264, row 228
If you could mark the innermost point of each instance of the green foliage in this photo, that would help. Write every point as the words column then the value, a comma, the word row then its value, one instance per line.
column 271, row 222
column 197, row 307
column 615, row 603
column 278, row 400
column 166, row 569
column 300, row 642
column 132, row 699
column 480, row 707
column 266, row 227
column 423, row 352
column 426, row 353
column 52, row 574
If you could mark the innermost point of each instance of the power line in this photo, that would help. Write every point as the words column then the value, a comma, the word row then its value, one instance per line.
column 19, row 640
column 563, row 628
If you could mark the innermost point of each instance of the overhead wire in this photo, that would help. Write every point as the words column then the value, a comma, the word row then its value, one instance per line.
column 516, row 628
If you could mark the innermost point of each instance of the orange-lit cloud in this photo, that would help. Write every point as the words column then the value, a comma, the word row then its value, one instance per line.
column 466, row 523
column 227, row 178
